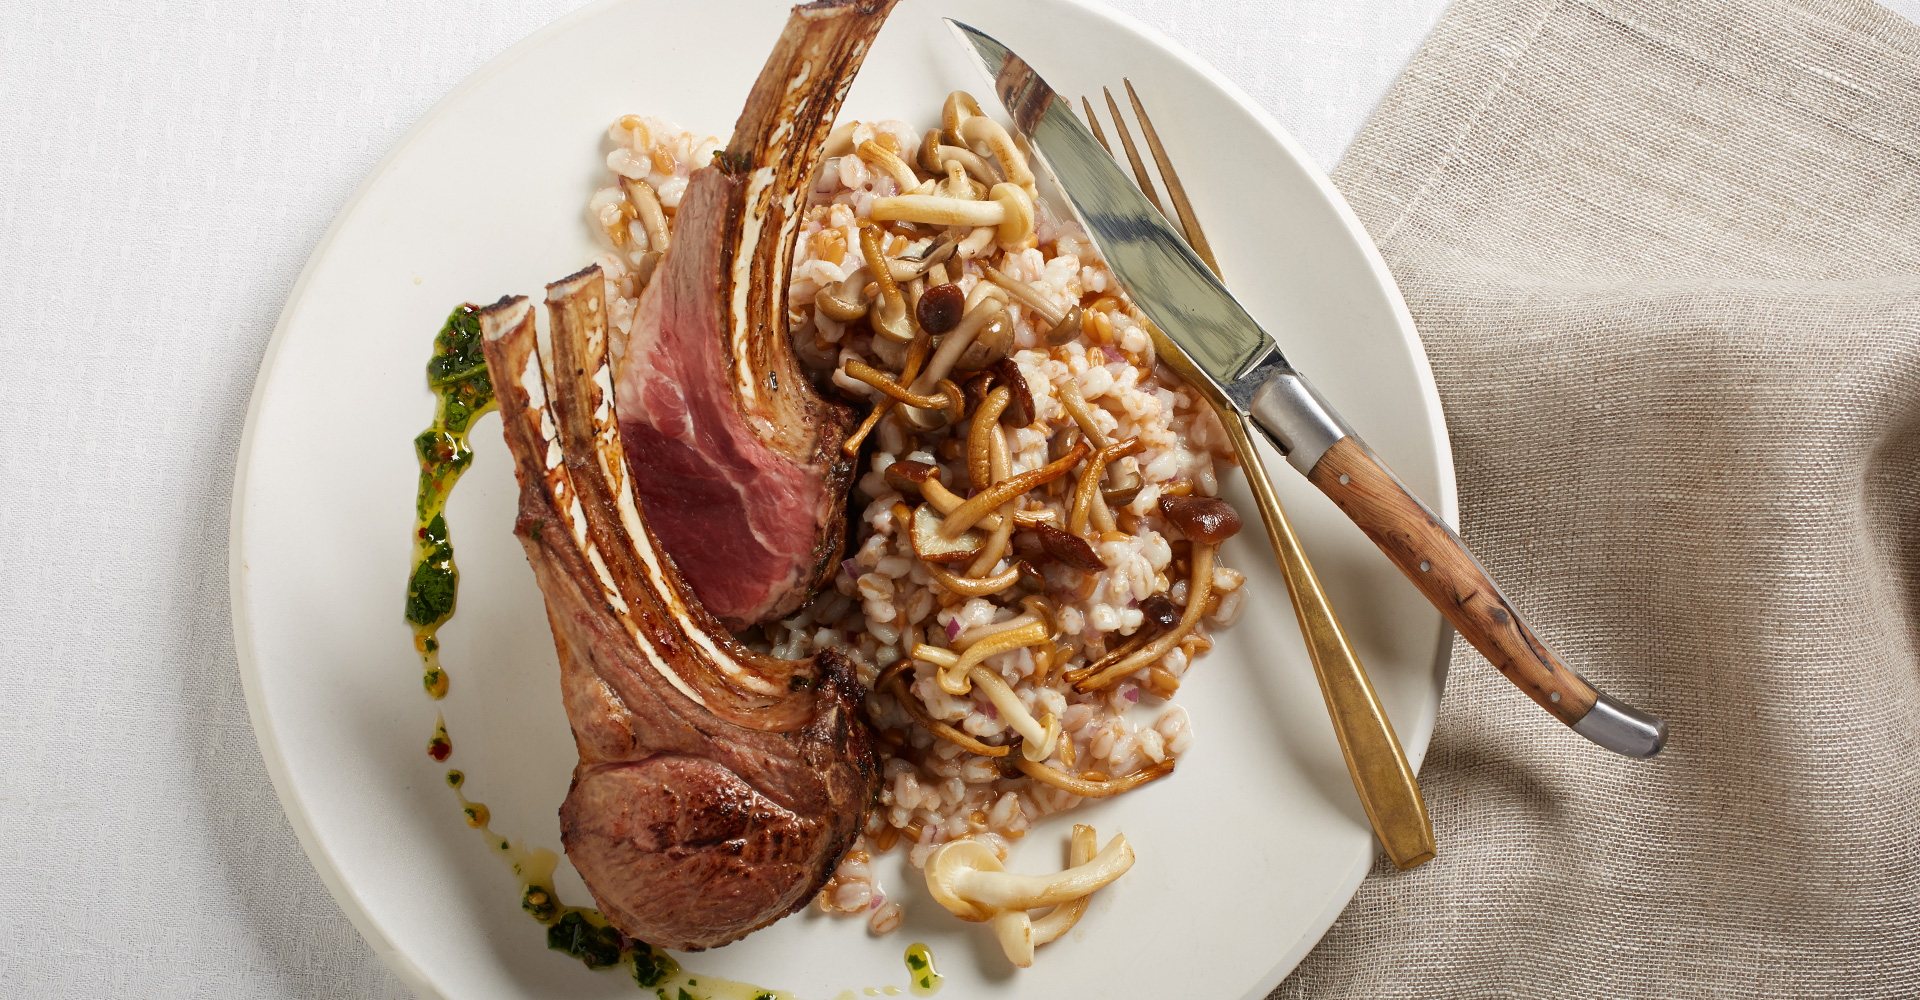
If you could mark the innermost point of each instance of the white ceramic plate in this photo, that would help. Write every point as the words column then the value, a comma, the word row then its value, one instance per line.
column 1245, row 855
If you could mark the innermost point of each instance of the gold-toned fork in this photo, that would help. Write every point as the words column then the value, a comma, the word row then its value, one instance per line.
column 1381, row 774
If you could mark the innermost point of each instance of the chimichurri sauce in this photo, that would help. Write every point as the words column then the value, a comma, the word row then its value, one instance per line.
column 925, row 979
column 457, row 374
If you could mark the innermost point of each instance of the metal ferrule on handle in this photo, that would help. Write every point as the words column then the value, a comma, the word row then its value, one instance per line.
column 1304, row 426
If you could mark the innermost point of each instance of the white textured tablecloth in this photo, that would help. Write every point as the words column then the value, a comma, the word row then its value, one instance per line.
column 165, row 170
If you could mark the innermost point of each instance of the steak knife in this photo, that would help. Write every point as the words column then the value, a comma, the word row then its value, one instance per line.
column 1243, row 368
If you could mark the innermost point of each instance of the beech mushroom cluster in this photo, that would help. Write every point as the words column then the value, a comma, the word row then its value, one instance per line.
column 968, row 878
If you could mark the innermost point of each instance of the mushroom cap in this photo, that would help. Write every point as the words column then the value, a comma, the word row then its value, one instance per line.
column 1069, row 548
column 1067, row 329
column 943, row 876
column 832, row 299
column 988, row 346
column 1159, row 611
column 1020, row 409
column 1208, row 520
column 959, row 107
column 930, row 545
column 940, row 308
column 906, row 475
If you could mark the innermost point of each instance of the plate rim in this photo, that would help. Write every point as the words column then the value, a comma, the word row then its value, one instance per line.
column 266, row 737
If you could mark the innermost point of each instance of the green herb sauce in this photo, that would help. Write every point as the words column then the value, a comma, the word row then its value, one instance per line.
column 457, row 374
column 926, row 980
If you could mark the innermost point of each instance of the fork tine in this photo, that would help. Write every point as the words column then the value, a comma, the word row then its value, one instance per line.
column 1140, row 175
column 1188, row 220
column 1093, row 122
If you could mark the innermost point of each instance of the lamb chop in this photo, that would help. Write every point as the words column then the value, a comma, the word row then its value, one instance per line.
column 752, row 478
column 717, row 788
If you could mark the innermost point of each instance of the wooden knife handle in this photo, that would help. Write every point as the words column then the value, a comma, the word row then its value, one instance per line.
column 1438, row 563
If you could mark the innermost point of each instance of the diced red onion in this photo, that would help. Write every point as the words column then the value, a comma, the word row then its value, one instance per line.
column 1130, row 693
column 851, row 568
column 879, row 899
column 953, row 628
column 990, row 710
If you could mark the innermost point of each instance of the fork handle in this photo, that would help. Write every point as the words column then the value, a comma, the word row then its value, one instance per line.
column 1381, row 775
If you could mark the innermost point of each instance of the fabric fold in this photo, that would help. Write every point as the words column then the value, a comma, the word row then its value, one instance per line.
column 1665, row 259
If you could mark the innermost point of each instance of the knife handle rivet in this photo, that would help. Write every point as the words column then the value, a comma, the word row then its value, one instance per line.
column 1344, row 479
column 1425, row 566
column 1554, row 696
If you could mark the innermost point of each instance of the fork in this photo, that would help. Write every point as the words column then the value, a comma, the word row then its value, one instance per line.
column 1381, row 774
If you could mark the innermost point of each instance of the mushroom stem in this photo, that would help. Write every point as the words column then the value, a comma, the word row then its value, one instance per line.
column 953, row 669
column 1014, row 930
column 976, row 129
column 916, row 356
column 979, row 436
column 1006, row 890
column 1038, row 739
column 646, row 204
column 945, row 500
column 891, row 320
column 957, row 341
column 1062, row 918
column 839, row 141
column 939, row 210
column 950, row 398
column 1002, row 536
column 1032, row 296
column 980, row 632
column 1085, row 680
column 1088, row 491
column 851, row 446
column 1091, row 789
column 972, row 586
column 1081, row 411
column 938, row 158
column 975, row 244
column 1102, row 515
column 912, row 705
column 969, row 514
column 1008, row 208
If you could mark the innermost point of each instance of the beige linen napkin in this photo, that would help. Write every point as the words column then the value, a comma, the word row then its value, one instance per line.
column 1665, row 258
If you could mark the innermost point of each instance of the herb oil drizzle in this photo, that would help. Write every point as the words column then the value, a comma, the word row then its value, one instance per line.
column 457, row 374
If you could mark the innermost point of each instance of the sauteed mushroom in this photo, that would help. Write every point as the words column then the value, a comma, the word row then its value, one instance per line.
column 646, row 205
column 966, row 126
column 935, row 156
column 1008, row 209
column 889, row 163
column 940, row 308
column 845, row 301
column 1033, row 297
column 967, row 878
column 891, row 320
column 1204, row 520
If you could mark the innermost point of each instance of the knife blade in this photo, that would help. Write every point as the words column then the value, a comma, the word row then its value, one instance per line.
column 1242, row 366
